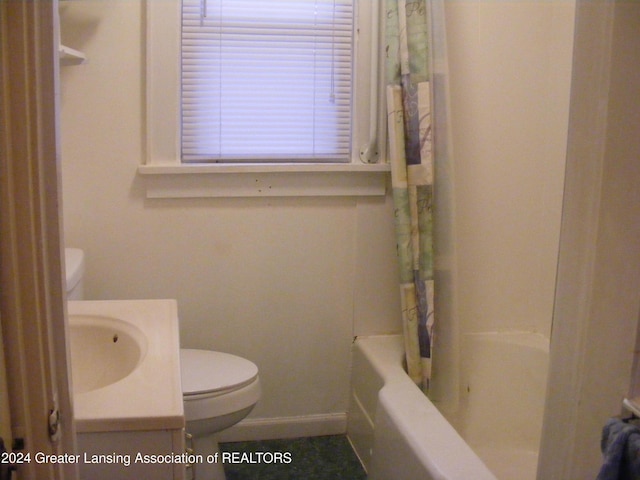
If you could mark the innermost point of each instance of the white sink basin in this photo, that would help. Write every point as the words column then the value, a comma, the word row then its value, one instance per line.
column 125, row 365
column 104, row 350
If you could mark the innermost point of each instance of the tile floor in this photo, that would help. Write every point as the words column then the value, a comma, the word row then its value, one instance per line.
column 311, row 458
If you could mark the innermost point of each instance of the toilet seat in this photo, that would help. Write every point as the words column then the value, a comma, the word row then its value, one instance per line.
column 216, row 383
column 210, row 373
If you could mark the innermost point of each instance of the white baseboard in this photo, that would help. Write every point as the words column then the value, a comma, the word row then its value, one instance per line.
column 286, row 427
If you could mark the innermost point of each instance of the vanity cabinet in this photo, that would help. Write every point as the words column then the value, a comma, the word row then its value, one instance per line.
column 131, row 455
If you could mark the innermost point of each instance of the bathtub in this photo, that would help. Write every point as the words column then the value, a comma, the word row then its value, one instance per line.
column 503, row 379
column 394, row 429
column 399, row 434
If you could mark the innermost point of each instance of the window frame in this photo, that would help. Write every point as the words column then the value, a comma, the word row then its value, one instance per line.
column 267, row 82
column 166, row 176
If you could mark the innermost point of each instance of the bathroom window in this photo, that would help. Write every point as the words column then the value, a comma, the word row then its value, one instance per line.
column 227, row 116
column 266, row 81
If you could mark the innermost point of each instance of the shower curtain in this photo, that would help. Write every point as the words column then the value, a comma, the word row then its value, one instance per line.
column 408, row 56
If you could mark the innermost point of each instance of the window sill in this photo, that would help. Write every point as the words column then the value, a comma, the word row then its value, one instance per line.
column 258, row 180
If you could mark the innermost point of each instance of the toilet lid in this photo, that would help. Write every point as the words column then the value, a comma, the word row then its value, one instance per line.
column 206, row 371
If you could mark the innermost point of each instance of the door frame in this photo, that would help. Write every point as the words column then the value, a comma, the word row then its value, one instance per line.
column 32, row 284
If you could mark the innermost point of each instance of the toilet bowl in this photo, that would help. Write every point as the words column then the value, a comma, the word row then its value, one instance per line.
column 219, row 390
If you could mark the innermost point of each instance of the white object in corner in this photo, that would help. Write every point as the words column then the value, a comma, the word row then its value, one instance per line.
column 632, row 405
column 69, row 56
column 74, row 268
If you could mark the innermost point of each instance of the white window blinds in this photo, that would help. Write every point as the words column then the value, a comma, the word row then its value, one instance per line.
column 266, row 80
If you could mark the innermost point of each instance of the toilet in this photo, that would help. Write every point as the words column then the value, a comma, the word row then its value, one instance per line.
column 218, row 389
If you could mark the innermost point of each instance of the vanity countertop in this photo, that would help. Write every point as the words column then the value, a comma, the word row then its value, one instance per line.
column 150, row 396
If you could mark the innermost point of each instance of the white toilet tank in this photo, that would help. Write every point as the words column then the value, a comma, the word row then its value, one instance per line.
column 74, row 267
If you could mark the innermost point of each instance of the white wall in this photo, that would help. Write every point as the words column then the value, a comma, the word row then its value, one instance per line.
column 286, row 283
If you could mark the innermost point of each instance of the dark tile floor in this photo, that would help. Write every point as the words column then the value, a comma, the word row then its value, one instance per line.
column 311, row 458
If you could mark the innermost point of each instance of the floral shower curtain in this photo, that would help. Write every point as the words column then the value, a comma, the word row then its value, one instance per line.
column 411, row 156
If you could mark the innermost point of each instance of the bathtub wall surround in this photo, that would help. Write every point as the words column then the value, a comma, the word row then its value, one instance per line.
column 508, row 187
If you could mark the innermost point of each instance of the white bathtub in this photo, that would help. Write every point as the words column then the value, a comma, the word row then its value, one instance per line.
column 396, row 431
column 503, row 379
column 399, row 434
